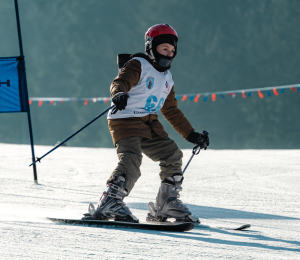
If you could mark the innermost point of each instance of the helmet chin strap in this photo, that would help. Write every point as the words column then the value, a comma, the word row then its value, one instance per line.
column 152, row 56
column 149, row 50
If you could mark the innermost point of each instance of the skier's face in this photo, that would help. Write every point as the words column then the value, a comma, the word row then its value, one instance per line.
column 166, row 49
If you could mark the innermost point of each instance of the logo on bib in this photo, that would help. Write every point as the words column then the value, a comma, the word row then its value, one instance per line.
column 150, row 82
column 168, row 86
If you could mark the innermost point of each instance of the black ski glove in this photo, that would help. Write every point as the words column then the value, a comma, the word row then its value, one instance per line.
column 120, row 101
column 199, row 139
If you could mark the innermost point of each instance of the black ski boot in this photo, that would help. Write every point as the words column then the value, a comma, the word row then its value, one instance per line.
column 167, row 203
column 111, row 205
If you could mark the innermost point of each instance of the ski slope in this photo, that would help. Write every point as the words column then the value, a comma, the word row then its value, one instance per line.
column 225, row 188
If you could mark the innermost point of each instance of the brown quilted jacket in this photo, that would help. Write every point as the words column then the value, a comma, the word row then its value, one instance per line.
column 142, row 126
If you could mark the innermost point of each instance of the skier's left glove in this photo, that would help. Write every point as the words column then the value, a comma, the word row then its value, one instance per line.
column 120, row 101
column 199, row 139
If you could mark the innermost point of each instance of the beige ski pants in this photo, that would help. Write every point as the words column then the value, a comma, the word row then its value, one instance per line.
column 160, row 149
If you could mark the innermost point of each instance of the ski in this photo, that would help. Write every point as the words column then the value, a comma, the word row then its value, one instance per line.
column 167, row 226
column 151, row 218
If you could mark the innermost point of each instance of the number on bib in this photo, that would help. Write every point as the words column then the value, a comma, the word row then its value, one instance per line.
column 151, row 103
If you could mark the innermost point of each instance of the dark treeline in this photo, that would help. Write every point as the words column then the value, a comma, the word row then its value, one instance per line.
column 71, row 46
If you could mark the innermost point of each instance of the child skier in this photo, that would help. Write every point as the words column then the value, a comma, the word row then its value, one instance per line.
column 143, row 87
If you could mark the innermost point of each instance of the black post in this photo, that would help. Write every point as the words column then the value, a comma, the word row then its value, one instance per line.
column 28, row 111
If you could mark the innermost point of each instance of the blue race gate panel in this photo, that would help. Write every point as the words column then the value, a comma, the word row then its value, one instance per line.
column 13, row 94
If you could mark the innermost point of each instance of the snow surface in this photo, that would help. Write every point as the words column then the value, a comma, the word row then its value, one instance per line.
column 225, row 188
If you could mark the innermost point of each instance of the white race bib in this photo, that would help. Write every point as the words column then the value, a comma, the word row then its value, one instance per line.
column 149, row 94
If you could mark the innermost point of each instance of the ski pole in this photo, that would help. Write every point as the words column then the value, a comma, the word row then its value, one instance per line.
column 196, row 150
column 39, row 159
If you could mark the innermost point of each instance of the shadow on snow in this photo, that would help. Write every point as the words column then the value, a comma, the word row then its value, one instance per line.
column 215, row 213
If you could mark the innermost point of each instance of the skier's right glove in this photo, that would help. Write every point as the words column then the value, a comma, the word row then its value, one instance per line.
column 199, row 139
column 120, row 101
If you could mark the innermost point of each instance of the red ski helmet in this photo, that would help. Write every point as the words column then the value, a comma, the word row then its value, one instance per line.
column 156, row 35
column 159, row 29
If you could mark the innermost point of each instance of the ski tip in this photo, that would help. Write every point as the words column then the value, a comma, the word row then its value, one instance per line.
column 243, row 227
